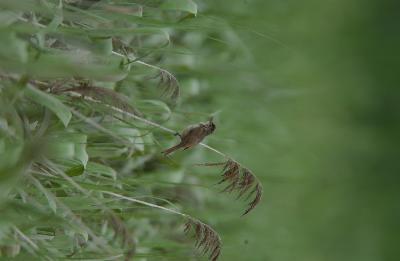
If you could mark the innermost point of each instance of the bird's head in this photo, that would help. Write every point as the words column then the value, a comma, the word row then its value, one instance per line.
column 210, row 126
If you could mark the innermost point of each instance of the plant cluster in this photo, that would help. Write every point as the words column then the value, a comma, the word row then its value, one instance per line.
column 84, row 104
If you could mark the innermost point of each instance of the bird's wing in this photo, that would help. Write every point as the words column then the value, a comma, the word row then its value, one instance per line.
column 189, row 129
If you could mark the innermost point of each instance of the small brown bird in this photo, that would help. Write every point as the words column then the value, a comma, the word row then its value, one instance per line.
column 192, row 136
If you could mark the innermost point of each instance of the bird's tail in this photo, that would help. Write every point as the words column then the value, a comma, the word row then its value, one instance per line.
column 170, row 150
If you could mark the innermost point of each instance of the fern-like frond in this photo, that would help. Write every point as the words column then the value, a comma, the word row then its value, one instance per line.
column 169, row 84
column 207, row 240
column 240, row 180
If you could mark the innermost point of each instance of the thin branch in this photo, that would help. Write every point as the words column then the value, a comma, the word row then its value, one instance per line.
column 145, row 203
column 139, row 62
column 210, row 164
column 214, row 150
column 26, row 238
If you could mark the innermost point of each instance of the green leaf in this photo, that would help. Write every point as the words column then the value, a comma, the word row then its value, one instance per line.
column 60, row 149
column 97, row 168
column 21, row 5
column 69, row 150
column 157, row 110
column 102, row 45
column 13, row 51
column 50, row 198
column 107, row 151
column 49, row 101
column 180, row 5
column 79, row 141
column 8, row 17
column 129, row 133
column 79, row 63
column 76, row 170
column 118, row 8
column 14, row 212
column 58, row 17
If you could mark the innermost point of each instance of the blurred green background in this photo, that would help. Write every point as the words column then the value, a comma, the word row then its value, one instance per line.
column 305, row 94
column 316, row 113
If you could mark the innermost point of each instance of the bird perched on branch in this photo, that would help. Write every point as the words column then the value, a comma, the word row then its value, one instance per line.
column 192, row 135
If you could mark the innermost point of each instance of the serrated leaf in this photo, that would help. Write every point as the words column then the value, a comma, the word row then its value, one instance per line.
column 49, row 101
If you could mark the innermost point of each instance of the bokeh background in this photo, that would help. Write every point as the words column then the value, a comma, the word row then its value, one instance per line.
column 315, row 111
column 304, row 93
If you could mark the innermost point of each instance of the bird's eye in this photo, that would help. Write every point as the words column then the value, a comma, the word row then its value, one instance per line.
column 213, row 126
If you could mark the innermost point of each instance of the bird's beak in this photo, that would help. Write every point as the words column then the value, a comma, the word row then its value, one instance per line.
column 210, row 120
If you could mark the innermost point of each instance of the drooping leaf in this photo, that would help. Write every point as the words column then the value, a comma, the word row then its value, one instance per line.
column 180, row 5
column 51, row 102
column 80, row 148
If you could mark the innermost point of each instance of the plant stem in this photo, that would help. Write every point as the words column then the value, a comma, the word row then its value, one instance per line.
column 145, row 203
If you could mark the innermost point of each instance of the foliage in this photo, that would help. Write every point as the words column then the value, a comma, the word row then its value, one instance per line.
column 304, row 95
column 84, row 99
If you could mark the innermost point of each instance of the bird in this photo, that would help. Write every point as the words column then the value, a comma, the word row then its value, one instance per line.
column 192, row 135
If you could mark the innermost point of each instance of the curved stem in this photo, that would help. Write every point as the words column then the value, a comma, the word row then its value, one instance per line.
column 144, row 203
column 160, row 207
